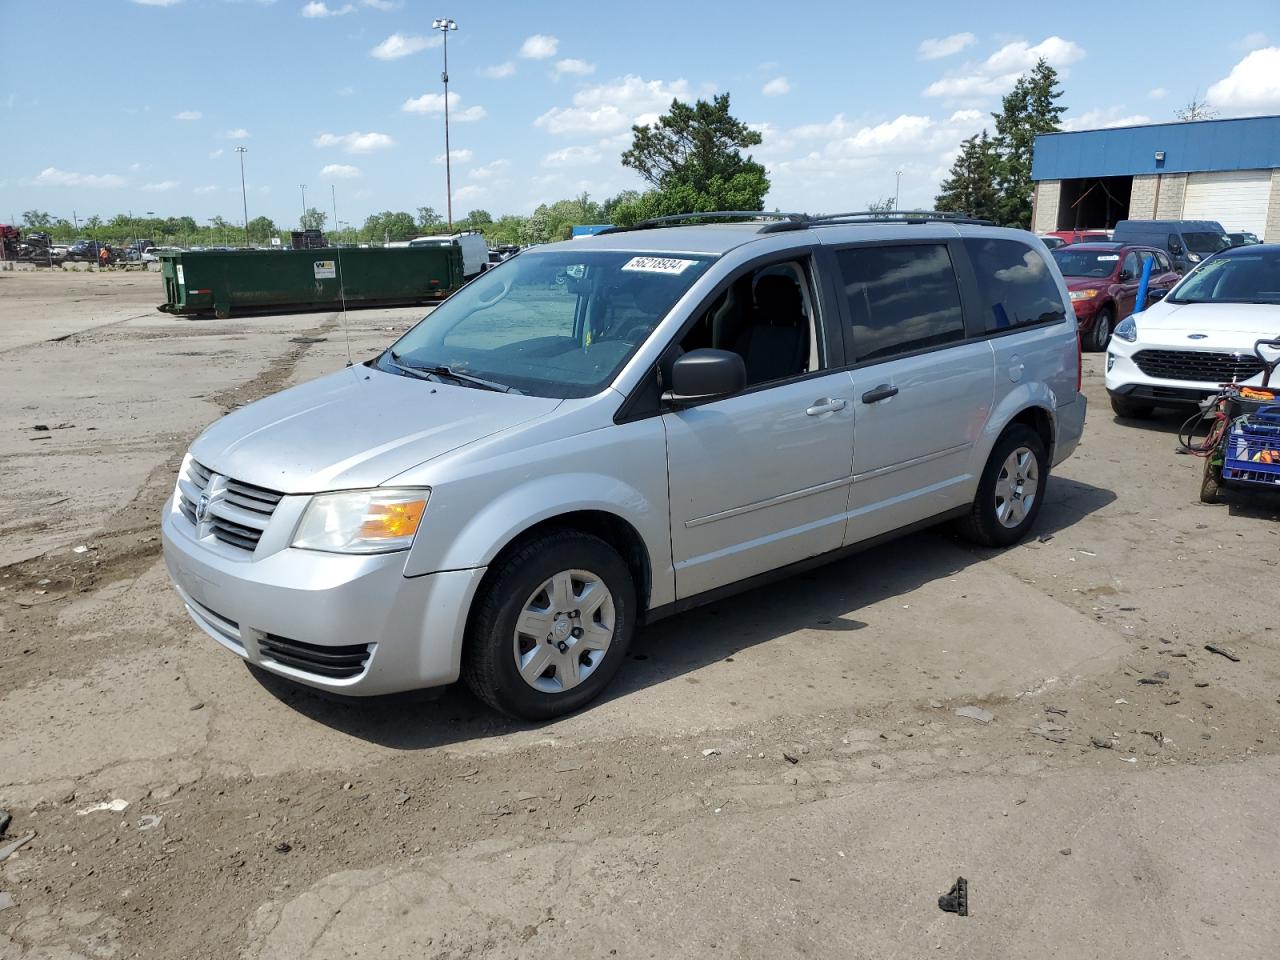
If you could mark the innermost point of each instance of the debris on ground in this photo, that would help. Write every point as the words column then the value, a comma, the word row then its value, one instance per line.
column 1060, row 711
column 9, row 849
column 149, row 821
column 5, row 819
column 1101, row 743
column 1065, row 851
column 308, row 339
column 711, row 752
column 6, row 901
column 401, row 798
column 80, row 549
column 1222, row 652
column 790, row 758
column 1151, row 681
column 975, row 713
column 956, row 900
column 115, row 806
column 283, row 846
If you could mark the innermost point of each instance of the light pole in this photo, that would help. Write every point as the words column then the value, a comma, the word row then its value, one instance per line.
column 444, row 25
column 897, row 190
column 244, row 196
column 302, row 224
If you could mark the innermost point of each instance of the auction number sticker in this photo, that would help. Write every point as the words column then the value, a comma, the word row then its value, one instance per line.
column 657, row 265
column 182, row 281
column 1108, row 256
column 325, row 270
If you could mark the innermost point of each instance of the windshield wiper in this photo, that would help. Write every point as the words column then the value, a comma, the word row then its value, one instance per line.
column 442, row 372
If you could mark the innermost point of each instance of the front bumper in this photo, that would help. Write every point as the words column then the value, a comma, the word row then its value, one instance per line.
column 1125, row 379
column 349, row 624
column 1086, row 312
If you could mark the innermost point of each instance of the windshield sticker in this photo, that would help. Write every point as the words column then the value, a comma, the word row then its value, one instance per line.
column 1108, row 256
column 657, row 265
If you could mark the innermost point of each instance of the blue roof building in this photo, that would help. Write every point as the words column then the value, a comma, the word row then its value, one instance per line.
column 1224, row 170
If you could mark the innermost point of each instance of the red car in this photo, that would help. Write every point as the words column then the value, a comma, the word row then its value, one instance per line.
column 1103, row 281
column 1080, row 236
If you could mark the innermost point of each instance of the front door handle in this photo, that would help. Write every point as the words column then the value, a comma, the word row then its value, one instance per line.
column 825, row 405
column 882, row 392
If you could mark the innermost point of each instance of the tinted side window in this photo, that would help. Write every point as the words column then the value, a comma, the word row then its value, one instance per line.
column 1131, row 265
column 1163, row 262
column 1016, row 285
column 901, row 298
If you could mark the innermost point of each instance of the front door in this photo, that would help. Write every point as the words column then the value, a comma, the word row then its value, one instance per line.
column 760, row 480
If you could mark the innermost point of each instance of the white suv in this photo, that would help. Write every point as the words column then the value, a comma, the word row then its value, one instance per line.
column 599, row 433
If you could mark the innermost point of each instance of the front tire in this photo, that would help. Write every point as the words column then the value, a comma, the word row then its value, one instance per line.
column 1100, row 335
column 1211, row 483
column 1011, row 490
column 1131, row 409
column 551, row 626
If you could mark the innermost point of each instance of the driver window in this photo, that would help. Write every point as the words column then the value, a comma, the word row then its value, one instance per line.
column 1131, row 266
column 767, row 316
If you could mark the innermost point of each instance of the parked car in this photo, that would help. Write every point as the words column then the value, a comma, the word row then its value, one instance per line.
column 1186, row 241
column 1052, row 242
column 1200, row 336
column 602, row 432
column 1242, row 238
column 1103, row 279
column 1080, row 236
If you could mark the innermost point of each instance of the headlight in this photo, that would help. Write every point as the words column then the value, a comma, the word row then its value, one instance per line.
column 1127, row 330
column 1193, row 257
column 1084, row 294
column 361, row 521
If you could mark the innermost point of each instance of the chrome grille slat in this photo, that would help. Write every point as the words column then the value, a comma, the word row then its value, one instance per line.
column 238, row 512
column 1198, row 366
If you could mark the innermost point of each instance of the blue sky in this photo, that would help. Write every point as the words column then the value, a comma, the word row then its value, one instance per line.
column 115, row 105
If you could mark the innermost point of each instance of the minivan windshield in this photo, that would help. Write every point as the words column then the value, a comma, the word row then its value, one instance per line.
column 1252, row 277
column 1205, row 241
column 1086, row 263
column 559, row 323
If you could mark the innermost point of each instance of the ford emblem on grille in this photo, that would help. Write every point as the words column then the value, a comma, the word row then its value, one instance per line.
column 202, row 509
column 1196, row 336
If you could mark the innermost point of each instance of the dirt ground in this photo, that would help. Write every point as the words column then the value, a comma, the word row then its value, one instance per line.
column 779, row 775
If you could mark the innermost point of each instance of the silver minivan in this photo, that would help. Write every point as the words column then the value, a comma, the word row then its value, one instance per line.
column 599, row 433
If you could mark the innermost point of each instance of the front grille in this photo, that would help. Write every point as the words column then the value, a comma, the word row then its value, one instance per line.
column 338, row 663
column 238, row 512
column 1198, row 366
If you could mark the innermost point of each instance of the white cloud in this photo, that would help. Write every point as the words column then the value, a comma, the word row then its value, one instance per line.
column 157, row 3
column 614, row 106
column 1253, row 41
column 1157, row 93
column 355, row 142
column 456, row 156
column 571, row 157
column 936, row 48
column 346, row 91
column 53, row 177
column 499, row 70
column 539, row 47
column 469, row 192
column 383, row 5
column 489, row 170
column 340, row 171
column 208, row 188
column 399, row 45
column 163, row 186
column 1102, row 118
column 188, row 115
column 997, row 74
column 579, row 68
column 215, row 154
column 433, row 103
column 318, row 9
column 776, row 87
column 1252, row 86
column 238, row 133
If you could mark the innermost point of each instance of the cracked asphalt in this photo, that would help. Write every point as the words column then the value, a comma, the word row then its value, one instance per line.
column 778, row 775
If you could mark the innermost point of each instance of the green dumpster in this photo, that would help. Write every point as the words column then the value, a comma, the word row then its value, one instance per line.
column 223, row 282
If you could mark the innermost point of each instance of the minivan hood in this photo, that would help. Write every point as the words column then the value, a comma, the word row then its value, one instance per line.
column 355, row 428
column 1252, row 320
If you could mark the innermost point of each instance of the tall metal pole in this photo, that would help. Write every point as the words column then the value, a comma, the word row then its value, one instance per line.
column 897, row 190
column 444, row 25
column 244, row 196
column 302, row 224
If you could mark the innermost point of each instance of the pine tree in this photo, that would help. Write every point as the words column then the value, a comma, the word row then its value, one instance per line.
column 1031, row 108
column 971, row 186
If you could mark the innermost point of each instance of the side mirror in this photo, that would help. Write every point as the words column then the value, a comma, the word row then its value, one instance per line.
column 1154, row 295
column 1125, row 275
column 702, row 375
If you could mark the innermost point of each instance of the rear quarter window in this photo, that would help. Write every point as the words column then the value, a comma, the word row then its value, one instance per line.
column 1015, row 284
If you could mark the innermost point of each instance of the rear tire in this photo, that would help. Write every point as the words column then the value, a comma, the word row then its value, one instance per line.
column 551, row 626
column 1103, row 324
column 1131, row 409
column 1016, row 472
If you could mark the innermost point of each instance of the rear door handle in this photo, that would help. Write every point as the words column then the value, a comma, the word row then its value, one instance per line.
column 882, row 392
column 825, row 406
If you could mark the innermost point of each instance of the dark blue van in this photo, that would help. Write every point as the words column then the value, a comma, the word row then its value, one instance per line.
column 1188, row 241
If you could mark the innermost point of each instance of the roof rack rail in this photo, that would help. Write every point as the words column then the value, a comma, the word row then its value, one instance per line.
column 897, row 216
column 779, row 221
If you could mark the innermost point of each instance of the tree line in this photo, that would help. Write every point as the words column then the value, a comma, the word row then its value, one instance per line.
column 692, row 160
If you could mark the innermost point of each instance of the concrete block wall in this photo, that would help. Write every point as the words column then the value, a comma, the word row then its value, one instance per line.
column 1173, row 189
column 1272, row 234
column 1142, row 201
column 1048, row 195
